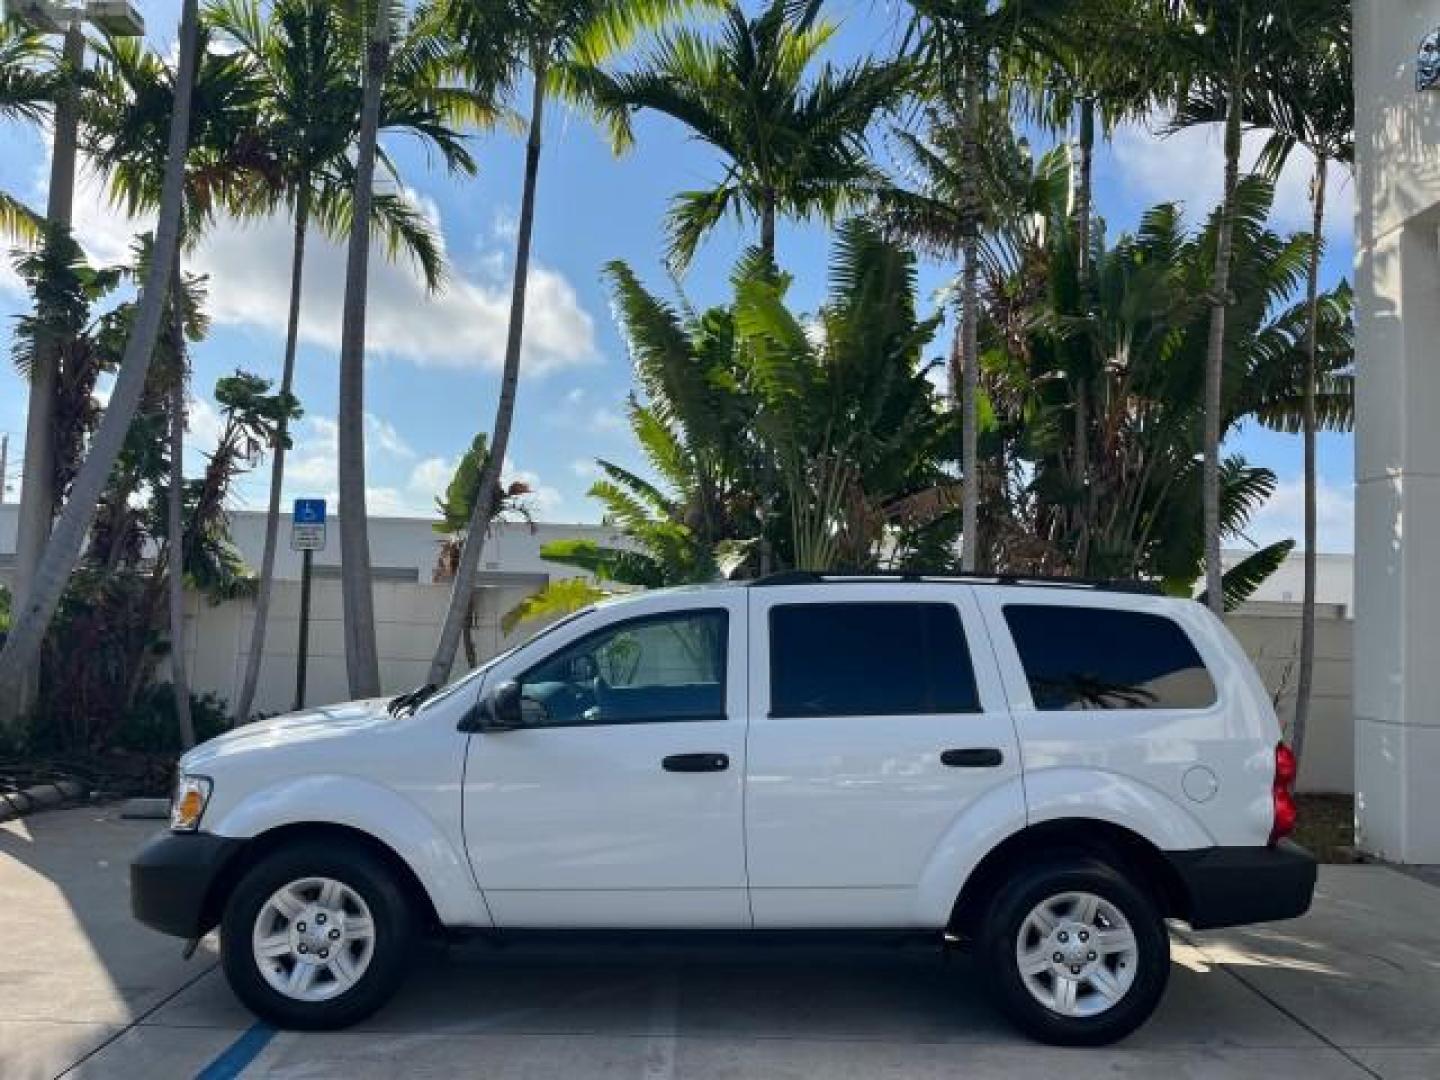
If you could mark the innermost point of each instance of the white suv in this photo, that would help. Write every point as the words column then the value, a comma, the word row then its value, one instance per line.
column 1044, row 770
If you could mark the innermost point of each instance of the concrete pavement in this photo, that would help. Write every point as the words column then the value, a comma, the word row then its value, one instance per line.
column 1352, row 990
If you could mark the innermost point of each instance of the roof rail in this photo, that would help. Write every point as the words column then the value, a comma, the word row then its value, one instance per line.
column 819, row 577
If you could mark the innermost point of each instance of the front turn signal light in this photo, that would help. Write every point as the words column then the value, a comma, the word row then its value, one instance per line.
column 192, row 794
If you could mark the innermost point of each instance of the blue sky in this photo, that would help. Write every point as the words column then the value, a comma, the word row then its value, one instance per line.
column 433, row 362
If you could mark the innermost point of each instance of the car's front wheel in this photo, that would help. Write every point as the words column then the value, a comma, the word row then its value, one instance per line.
column 316, row 935
column 1077, row 955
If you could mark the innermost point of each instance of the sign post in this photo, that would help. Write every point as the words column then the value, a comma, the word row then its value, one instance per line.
column 307, row 536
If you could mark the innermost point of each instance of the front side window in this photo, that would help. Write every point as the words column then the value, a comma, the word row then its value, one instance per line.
column 647, row 670
column 869, row 659
column 1099, row 658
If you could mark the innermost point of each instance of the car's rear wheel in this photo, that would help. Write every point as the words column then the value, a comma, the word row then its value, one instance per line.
column 1077, row 955
column 316, row 935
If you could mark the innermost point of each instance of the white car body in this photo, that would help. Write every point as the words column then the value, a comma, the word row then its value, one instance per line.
column 845, row 822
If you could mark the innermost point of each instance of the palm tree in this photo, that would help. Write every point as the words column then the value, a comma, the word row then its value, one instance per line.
column 1313, row 107
column 956, row 195
column 1224, row 52
column 27, row 89
column 305, row 55
column 362, row 662
column 961, row 44
column 557, row 45
column 822, row 434
column 63, row 548
column 132, row 97
column 1145, row 325
column 792, row 145
column 32, row 78
column 1082, row 77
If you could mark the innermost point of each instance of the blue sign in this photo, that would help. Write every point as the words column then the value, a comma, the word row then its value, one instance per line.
column 309, row 511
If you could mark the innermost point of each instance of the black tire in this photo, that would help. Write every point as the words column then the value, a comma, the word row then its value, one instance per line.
column 1000, row 930
column 390, row 909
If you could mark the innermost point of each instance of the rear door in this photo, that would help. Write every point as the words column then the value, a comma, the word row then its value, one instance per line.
column 877, row 718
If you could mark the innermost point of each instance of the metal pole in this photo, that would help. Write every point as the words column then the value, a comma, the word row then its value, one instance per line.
column 37, row 497
column 4, row 464
column 302, row 655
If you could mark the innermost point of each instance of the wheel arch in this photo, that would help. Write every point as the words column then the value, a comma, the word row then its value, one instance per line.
column 1126, row 850
column 258, row 847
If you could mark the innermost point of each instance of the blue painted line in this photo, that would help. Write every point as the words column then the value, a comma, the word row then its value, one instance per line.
column 234, row 1059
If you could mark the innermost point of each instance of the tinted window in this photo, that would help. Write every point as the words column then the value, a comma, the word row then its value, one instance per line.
column 646, row 670
column 1093, row 658
column 869, row 660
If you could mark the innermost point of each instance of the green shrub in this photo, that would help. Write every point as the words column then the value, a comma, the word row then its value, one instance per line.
column 150, row 726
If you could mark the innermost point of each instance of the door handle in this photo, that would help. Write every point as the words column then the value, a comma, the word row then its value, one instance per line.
column 696, row 763
column 972, row 758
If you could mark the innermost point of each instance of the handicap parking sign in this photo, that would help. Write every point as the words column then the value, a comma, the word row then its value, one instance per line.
column 307, row 525
column 309, row 511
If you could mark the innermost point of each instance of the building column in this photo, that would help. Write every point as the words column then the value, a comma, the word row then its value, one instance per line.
column 1397, row 445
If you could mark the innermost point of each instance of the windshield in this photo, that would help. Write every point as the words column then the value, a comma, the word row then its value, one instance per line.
column 469, row 679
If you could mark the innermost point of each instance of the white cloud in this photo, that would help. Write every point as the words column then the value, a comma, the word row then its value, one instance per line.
column 1282, row 516
column 504, row 224
column 1187, row 166
column 430, row 477
column 10, row 281
column 464, row 326
column 606, row 420
column 543, row 500
column 382, row 433
column 204, row 424
column 585, row 468
column 312, row 468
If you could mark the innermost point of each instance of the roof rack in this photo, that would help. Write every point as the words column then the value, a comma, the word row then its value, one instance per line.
column 819, row 577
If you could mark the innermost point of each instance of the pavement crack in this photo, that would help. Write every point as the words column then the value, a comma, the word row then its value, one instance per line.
column 137, row 1021
column 1296, row 1018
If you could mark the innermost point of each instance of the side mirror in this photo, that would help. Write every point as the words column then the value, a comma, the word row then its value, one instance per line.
column 500, row 711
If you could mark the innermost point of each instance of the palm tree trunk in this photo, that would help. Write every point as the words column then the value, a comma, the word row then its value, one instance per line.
column 484, row 509
column 969, row 329
column 1085, row 504
column 277, row 463
column 1215, row 356
column 37, row 493
column 175, row 515
column 362, row 662
column 32, row 619
column 1305, row 681
column 472, row 659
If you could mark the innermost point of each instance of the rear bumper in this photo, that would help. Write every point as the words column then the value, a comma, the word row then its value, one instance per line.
column 172, row 881
column 1231, row 886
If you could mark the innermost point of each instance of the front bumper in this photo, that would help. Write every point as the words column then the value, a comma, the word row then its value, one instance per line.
column 172, row 881
column 1231, row 886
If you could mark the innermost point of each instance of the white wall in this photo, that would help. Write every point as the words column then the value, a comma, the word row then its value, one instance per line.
column 407, row 617
column 406, row 622
column 1270, row 635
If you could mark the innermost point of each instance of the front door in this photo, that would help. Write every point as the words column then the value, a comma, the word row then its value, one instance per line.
column 619, row 803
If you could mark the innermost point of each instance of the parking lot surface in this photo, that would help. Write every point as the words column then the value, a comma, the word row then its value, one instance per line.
column 1351, row 990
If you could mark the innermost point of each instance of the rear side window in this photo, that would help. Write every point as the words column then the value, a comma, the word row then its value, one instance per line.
column 1096, row 658
column 869, row 660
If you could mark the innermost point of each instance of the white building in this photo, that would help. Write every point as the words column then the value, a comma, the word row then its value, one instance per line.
column 1397, row 445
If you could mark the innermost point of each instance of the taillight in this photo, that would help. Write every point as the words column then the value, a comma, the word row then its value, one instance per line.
column 1283, row 792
